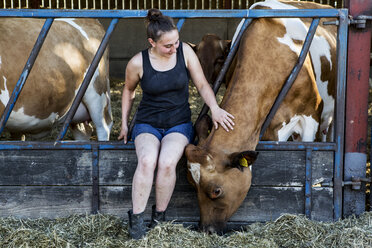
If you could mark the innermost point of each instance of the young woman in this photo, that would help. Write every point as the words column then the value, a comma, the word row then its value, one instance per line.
column 163, row 125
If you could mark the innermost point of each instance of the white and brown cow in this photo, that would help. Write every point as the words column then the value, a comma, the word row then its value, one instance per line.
column 219, row 164
column 55, row 77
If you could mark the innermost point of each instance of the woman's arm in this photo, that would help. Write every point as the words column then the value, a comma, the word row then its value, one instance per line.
column 133, row 74
column 219, row 116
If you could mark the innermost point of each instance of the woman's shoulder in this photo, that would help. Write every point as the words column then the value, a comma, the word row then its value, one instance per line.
column 187, row 48
column 136, row 61
column 188, row 53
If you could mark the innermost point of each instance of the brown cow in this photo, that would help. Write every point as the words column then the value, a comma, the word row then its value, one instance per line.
column 212, row 52
column 219, row 164
column 55, row 77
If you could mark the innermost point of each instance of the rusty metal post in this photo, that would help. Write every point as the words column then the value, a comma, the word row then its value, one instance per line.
column 356, row 106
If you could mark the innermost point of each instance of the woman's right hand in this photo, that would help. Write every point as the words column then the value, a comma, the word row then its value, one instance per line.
column 123, row 133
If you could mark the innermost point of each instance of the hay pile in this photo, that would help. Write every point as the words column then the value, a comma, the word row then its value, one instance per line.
column 108, row 231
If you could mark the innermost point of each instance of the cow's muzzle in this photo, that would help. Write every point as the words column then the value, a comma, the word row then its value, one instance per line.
column 219, row 228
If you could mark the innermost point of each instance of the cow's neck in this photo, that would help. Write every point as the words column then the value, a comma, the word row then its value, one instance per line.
column 241, row 99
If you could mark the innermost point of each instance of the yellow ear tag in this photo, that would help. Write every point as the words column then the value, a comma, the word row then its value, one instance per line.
column 243, row 162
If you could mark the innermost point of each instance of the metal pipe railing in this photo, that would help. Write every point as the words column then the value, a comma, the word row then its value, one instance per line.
column 142, row 4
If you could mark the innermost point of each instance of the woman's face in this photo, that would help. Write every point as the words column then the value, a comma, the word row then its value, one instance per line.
column 167, row 44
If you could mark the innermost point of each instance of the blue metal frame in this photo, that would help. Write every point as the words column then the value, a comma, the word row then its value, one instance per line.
column 337, row 146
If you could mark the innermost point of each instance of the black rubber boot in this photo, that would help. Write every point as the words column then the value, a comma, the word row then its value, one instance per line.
column 156, row 217
column 137, row 227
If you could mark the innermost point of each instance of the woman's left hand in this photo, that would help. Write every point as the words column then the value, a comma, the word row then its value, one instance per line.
column 222, row 117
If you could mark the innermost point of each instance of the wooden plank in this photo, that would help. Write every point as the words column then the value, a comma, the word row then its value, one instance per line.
column 117, row 167
column 73, row 167
column 278, row 185
column 261, row 203
column 322, row 166
column 322, row 204
column 44, row 201
column 271, row 168
column 279, row 168
column 45, row 167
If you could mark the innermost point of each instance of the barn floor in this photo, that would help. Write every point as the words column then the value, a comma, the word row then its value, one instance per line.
column 108, row 231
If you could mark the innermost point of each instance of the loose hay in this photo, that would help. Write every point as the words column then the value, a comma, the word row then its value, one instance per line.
column 109, row 231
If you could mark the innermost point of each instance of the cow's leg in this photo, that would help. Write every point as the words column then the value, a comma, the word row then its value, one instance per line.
column 80, row 127
column 99, row 108
column 81, row 131
column 303, row 125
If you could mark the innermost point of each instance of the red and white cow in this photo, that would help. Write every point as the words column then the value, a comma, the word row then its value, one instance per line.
column 219, row 165
column 55, row 77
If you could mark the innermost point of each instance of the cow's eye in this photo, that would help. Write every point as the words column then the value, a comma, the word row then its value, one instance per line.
column 216, row 193
column 220, row 60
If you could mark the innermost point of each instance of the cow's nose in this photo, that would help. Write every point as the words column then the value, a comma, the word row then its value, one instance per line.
column 212, row 229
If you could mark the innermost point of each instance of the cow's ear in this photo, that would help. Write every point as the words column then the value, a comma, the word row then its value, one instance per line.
column 242, row 160
column 203, row 126
column 192, row 45
column 197, row 157
column 226, row 44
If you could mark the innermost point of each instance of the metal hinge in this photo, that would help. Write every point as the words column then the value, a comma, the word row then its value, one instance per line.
column 355, row 183
column 359, row 21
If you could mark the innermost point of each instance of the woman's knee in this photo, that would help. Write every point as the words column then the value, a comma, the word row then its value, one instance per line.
column 147, row 163
column 167, row 165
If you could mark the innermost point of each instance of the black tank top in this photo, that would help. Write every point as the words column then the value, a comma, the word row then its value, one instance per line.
column 165, row 97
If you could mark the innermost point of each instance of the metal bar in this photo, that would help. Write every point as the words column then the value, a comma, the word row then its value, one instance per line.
column 356, row 124
column 95, row 179
column 119, row 145
column 87, row 78
column 71, row 13
column 180, row 24
column 295, row 146
column 225, row 67
column 308, row 183
column 292, row 77
column 26, row 71
column 340, row 113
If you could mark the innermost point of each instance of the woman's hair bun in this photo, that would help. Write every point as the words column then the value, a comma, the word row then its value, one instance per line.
column 153, row 15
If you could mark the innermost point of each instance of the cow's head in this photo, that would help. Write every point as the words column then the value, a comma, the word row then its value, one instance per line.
column 221, row 181
column 212, row 52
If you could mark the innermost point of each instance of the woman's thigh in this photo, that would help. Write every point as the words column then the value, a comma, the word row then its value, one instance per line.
column 172, row 148
column 147, row 148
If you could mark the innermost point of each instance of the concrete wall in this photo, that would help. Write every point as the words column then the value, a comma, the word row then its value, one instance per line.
column 130, row 37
